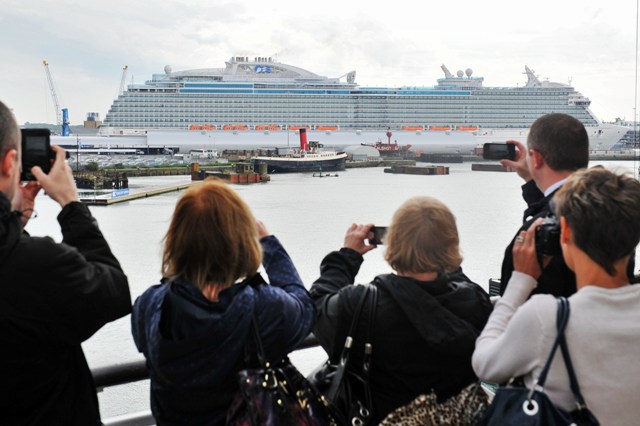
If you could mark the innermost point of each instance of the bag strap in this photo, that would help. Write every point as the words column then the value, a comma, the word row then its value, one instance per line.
column 573, row 380
column 346, row 350
column 368, row 347
column 254, row 334
column 561, row 322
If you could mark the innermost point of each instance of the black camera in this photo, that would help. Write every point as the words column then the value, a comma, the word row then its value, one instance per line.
column 36, row 151
column 378, row 235
column 498, row 151
column 548, row 237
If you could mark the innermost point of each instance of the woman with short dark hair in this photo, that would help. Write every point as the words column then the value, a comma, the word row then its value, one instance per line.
column 427, row 316
column 192, row 327
column 599, row 215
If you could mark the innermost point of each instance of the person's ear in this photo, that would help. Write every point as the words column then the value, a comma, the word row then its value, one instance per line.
column 8, row 165
column 536, row 158
column 565, row 231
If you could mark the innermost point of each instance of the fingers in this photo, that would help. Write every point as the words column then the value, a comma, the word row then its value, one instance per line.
column 262, row 229
column 356, row 236
column 59, row 183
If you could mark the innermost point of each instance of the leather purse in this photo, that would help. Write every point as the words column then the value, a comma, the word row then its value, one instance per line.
column 344, row 384
column 517, row 405
column 276, row 395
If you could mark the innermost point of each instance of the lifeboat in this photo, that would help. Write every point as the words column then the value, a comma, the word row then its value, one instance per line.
column 413, row 128
column 267, row 127
column 235, row 127
column 202, row 127
column 326, row 127
column 440, row 128
column 467, row 128
column 298, row 127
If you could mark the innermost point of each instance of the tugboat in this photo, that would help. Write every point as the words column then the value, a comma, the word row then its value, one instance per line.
column 390, row 149
column 310, row 157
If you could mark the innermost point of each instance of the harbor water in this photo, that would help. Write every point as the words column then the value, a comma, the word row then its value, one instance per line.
column 310, row 216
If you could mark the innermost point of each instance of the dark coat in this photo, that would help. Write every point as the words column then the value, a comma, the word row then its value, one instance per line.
column 52, row 298
column 195, row 347
column 424, row 332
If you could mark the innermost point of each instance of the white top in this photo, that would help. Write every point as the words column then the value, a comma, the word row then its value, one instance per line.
column 603, row 337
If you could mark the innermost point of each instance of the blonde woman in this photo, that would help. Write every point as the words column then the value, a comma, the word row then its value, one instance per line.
column 428, row 313
column 192, row 327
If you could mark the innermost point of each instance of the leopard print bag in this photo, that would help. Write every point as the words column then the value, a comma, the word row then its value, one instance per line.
column 464, row 409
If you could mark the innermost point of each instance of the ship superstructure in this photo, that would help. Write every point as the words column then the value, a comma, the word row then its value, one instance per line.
column 265, row 96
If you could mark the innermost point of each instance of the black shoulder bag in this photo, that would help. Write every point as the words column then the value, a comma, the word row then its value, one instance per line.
column 276, row 395
column 515, row 405
column 344, row 384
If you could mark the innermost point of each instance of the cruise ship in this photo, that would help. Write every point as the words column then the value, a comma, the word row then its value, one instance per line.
column 254, row 102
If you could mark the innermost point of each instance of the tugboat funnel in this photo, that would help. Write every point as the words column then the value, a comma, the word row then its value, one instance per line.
column 304, row 145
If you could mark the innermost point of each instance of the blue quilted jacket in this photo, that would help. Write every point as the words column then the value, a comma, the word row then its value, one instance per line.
column 194, row 347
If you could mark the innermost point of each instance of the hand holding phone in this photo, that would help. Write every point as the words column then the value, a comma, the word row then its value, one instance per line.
column 36, row 151
column 499, row 151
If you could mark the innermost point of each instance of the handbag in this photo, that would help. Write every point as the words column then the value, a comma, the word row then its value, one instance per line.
column 276, row 395
column 344, row 384
column 464, row 409
column 515, row 405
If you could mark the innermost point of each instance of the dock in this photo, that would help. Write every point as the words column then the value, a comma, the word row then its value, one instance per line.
column 123, row 195
column 488, row 167
column 415, row 170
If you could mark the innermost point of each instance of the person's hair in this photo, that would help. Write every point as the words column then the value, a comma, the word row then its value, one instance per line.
column 562, row 141
column 9, row 131
column 423, row 237
column 602, row 209
column 212, row 238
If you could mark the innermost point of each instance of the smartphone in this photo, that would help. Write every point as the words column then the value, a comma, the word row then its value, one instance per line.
column 378, row 235
column 36, row 151
column 499, row 151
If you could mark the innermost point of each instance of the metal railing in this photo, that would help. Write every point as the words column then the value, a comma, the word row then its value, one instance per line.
column 135, row 371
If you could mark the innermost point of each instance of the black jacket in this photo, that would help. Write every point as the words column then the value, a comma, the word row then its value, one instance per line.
column 424, row 332
column 556, row 278
column 52, row 298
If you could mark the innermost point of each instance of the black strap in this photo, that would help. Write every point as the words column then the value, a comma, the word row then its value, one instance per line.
column 368, row 347
column 346, row 349
column 573, row 380
column 561, row 323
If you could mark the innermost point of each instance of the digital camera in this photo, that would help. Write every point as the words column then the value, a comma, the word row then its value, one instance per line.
column 548, row 237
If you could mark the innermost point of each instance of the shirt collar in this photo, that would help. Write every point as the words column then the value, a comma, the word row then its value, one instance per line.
column 553, row 187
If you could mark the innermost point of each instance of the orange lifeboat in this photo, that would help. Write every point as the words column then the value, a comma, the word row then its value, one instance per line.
column 235, row 127
column 267, row 127
column 298, row 127
column 413, row 128
column 440, row 128
column 201, row 127
column 326, row 127
column 467, row 128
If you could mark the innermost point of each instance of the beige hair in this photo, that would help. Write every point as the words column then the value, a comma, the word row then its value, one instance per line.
column 423, row 237
column 212, row 238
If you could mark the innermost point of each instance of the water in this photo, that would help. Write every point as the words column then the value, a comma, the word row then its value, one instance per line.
column 310, row 216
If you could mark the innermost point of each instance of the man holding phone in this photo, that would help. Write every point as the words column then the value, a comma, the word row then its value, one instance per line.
column 557, row 146
column 53, row 296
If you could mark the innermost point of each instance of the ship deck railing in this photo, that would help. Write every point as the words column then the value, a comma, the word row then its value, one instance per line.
column 135, row 371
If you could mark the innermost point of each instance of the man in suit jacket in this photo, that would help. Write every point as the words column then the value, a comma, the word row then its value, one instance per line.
column 557, row 146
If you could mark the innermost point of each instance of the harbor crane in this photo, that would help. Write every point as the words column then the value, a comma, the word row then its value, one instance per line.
column 62, row 115
column 124, row 78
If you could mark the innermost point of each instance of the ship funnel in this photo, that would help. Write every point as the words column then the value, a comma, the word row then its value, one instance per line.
column 304, row 145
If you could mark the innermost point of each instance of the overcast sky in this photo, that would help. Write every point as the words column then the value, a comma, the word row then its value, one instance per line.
column 391, row 43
